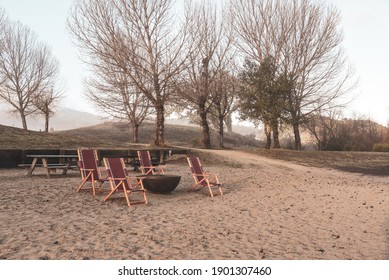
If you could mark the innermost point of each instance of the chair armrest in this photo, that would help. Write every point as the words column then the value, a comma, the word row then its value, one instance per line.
column 120, row 179
column 207, row 175
column 212, row 176
column 149, row 166
column 84, row 169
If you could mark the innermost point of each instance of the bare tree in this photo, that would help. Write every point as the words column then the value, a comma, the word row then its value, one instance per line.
column 333, row 132
column 157, row 51
column 27, row 69
column 119, row 99
column 211, row 43
column 304, row 39
column 225, row 94
column 45, row 104
column 322, row 126
column 139, row 38
column 96, row 28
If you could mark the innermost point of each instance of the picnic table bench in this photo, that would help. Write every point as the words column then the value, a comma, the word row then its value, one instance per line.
column 65, row 162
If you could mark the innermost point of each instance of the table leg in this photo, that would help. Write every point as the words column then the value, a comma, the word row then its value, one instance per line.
column 46, row 167
column 32, row 167
column 65, row 170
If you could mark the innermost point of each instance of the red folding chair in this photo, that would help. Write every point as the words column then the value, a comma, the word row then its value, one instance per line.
column 202, row 179
column 121, row 182
column 146, row 166
column 88, row 162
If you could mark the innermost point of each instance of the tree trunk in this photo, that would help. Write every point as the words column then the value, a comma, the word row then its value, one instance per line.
column 229, row 123
column 319, row 145
column 276, row 139
column 221, row 132
column 204, row 125
column 297, row 137
column 135, row 135
column 318, row 141
column 24, row 121
column 47, row 118
column 160, row 132
column 267, row 130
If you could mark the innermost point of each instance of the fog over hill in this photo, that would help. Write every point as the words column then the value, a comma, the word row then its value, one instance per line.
column 64, row 119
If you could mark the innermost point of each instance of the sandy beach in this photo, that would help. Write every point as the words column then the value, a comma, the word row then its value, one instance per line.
column 270, row 210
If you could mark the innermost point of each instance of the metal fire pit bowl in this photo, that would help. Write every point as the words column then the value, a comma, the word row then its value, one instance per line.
column 160, row 183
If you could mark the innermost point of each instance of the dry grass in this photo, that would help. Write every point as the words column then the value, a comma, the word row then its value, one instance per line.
column 16, row 138
column 369, row 163
column 109, row 135
column 119, row 133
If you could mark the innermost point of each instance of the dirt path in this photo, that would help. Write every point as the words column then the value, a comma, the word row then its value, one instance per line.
column 247, row 159
column 250, row 159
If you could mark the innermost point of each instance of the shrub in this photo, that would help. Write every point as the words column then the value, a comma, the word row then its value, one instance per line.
column 383, row 147
column 196, row 142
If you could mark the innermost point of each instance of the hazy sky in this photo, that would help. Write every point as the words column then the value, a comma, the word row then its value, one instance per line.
column 366, row 41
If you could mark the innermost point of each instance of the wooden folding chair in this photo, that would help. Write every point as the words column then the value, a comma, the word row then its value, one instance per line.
column 146, row 165
column 202, row 179
column 88, row 162
column 121, row 182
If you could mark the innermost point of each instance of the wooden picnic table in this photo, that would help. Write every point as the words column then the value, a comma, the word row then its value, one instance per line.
column 64, row 163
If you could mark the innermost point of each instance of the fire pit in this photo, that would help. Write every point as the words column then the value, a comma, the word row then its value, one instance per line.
column 160, row 183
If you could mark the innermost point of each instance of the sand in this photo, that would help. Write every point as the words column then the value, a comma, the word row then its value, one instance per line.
column 270, row 210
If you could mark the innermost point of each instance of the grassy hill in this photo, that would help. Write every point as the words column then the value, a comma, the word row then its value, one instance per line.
column 119, row 133
column 16, row 138
column 110, row 135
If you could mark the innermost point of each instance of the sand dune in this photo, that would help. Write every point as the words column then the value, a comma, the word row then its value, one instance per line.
column 270, row 210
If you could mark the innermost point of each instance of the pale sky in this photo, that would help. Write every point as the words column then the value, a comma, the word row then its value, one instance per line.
column 366, row 41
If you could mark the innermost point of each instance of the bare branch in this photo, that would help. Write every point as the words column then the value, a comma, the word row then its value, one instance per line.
column 133, row 41
column 27, row 69
column 211, row 43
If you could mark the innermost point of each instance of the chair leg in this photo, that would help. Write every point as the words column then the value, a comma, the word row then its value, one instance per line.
column 210, row 190
column 112, row 191
column 100, row 185
column 196, row 188
column 160, row 171
column 140, row 182
column 126, row 195
column 93, row 186
column 145, row 197
column 83, row 182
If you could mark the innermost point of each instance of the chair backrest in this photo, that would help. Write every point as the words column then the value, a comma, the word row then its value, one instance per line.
column 117, row 169
column 89, row 160
column 196, row 169
column 145, row 161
